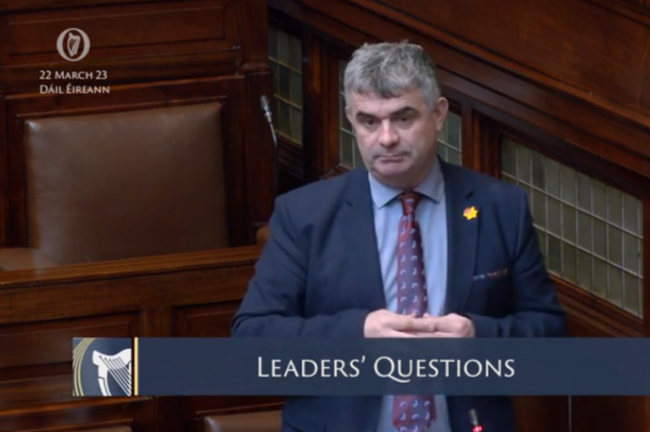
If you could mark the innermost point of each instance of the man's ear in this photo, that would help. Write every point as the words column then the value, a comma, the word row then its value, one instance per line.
column 441, row 110
column 348, row 114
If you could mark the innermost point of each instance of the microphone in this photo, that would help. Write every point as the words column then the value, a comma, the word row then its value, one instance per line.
column 264, row 102
column 473, row 419
column 266, row 107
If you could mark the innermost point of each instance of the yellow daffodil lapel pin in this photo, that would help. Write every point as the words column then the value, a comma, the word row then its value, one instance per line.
column 470, row 213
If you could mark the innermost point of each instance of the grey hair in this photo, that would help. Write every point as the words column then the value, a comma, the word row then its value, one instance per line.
column 389, row 70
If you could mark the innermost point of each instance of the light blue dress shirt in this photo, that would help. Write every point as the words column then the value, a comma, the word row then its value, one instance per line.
column 432, row 217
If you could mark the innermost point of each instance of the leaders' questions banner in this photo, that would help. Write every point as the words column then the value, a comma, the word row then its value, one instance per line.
column 335, row 367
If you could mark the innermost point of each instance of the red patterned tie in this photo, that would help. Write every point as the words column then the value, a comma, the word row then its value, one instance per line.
column 411, row 413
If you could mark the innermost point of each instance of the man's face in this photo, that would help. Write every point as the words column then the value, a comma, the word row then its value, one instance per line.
column 397, row 136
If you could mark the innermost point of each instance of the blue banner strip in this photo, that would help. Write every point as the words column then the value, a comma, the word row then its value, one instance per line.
column 327, row 367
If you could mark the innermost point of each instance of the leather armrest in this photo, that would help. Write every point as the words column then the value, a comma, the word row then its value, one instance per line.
column 264, row 421
column 263, row 235
column 24, row 259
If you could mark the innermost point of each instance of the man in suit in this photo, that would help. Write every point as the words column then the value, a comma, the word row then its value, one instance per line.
column 407, row 246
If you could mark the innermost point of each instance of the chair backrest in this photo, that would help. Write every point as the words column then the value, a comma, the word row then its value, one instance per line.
column 113, row 429
column 262, row 421
column 126, row 184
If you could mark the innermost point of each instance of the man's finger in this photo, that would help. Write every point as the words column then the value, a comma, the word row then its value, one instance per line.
column 423, row 334
column 399, row 322
column 412, row 324
column 397, row 334
column 442, row 334
column 447, row 324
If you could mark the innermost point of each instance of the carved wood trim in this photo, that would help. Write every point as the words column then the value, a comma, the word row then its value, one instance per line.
column 3, row 168
column 383, row 10
column 602, row 318
column 643, row 3
column 157, row 265
column 638, row 10
column 509, row 78
column 146, row 297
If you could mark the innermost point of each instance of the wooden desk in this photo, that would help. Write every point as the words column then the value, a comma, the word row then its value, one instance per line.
column 41, row 311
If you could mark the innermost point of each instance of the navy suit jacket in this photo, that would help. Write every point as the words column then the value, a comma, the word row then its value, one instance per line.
column 319, row 276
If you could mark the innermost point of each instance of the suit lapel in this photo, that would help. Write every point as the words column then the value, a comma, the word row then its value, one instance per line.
column 463, row 236
column 361, row 242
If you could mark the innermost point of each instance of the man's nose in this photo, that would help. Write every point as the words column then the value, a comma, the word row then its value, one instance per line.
column 388, row 136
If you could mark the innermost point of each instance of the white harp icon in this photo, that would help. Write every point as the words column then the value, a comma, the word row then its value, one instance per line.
column 73, row 44
column 118, row 366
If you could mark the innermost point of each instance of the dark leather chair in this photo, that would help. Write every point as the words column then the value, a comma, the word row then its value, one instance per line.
column 122, row 185
column 264, row 421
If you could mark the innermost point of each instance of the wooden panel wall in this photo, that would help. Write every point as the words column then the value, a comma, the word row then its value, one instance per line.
column 150, row 54
column 192, row 295
column 147, row 54
column 569, row 79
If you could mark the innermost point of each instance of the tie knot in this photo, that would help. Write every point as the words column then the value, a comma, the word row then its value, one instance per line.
column 410, row 201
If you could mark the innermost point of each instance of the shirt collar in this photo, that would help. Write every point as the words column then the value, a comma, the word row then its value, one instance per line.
column 432, row 187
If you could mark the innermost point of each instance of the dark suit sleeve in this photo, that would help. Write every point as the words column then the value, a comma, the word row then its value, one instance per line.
column 535, row 307
column 273, row 304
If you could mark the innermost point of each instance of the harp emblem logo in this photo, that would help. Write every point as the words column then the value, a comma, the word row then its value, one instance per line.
column 73, row 44
column 118, row 366
column 102, row 367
